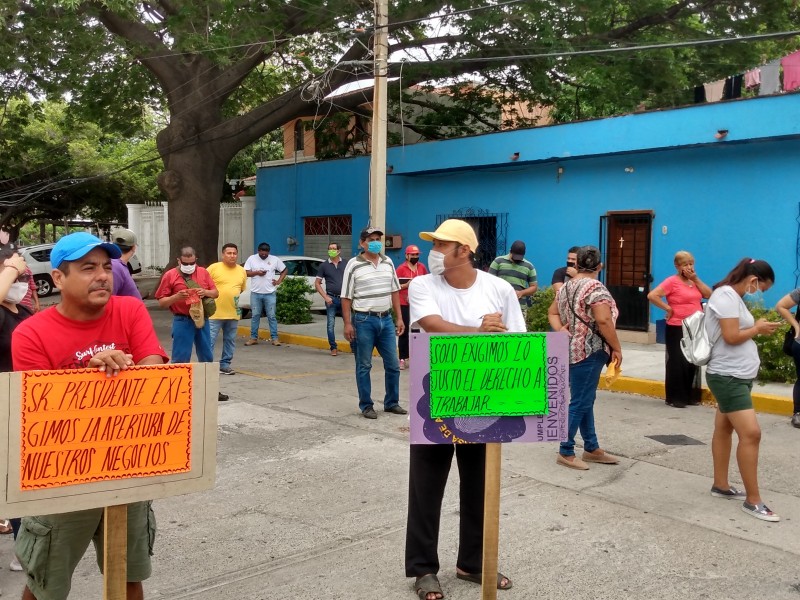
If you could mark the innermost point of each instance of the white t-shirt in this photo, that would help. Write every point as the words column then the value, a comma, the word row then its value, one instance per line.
column 432, row 295
column 262, row 284
column 741, row 360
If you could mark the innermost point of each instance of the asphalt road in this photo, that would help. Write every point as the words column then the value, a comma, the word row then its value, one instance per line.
column 310, row 503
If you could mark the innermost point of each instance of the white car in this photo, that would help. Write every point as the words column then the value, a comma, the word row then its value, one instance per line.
column 38, row 260
column 297, row 266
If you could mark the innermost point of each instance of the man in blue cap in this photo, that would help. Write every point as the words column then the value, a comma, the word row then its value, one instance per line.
column 89, row 328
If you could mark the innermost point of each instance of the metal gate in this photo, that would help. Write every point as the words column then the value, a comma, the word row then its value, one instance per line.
column 491, row 229
column 625, row 240
column 320, row 232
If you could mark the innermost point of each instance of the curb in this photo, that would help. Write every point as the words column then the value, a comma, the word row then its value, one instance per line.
column 297, row 339
column 765, row 403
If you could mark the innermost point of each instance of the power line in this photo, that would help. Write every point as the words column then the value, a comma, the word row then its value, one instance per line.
column 688, row 44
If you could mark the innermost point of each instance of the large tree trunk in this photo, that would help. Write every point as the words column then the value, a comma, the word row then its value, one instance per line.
column 192, row 182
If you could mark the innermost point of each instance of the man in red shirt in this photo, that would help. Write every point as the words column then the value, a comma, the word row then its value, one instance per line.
column 89, row 328
column 173, row 293
column 405, row 273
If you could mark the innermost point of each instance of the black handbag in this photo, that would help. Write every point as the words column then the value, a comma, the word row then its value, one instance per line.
column 788, row 337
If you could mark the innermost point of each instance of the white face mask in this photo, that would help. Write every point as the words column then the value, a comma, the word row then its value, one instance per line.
column 436, row 261
column 16, row 293
column 188, row 269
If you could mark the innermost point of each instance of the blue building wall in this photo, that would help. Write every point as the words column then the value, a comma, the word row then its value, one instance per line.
column 720, row 199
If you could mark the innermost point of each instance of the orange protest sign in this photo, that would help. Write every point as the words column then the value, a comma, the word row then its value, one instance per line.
column 81, row 426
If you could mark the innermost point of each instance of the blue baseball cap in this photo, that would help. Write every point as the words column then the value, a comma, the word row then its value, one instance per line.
column 77, row 245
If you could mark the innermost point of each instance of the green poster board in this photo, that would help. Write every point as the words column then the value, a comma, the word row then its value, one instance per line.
column 477, row 375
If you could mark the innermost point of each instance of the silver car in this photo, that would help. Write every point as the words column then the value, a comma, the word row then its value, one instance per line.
column 296, row 266
column 38, row 261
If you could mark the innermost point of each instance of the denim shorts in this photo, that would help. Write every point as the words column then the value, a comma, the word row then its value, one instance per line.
column 50, row 547
column 732, row 393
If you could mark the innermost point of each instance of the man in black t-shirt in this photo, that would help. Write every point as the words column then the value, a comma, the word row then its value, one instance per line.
column 562, row 274
column 332, row 272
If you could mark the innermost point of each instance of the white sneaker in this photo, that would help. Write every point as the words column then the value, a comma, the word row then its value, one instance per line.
column 402, row 365
column 15, row 566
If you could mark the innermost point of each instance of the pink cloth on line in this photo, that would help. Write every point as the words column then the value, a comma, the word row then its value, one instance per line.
column 791, row 71
column 752, row 78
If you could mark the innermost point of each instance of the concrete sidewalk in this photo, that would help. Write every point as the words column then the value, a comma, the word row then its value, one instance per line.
column 642, row 367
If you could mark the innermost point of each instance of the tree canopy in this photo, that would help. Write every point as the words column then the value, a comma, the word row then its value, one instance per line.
column 56, row 166
column 225, row 73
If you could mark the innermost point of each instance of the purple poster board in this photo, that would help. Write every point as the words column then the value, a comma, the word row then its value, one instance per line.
column 551, row 427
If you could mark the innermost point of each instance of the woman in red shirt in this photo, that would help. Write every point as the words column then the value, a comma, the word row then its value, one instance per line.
column 679, row 296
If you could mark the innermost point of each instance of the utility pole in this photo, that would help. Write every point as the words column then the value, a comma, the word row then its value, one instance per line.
column 377, row 170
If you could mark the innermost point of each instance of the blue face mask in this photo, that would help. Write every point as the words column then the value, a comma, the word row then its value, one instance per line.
column 754, row 298
column 375, row 246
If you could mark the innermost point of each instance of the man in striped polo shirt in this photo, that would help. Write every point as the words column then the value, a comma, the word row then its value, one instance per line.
column 517, row 271
column 370, row 290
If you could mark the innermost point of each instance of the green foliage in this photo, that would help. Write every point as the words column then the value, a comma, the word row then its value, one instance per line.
column 68, row 168
column 536, row 316
column 269, row 147
column 775, row 365
column 292, row 305
column 337, row 135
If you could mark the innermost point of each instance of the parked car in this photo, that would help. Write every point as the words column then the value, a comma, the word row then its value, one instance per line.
column 297, row 266
column 38, row 260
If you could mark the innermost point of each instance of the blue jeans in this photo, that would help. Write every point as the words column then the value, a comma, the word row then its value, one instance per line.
column 184, row 335
column 583, row 379
column 229, row 328
column 259, row 303
column 330, row 310
column 376, row 332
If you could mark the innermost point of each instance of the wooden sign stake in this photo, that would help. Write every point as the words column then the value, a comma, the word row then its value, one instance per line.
column 115, row 552
column 491, row 521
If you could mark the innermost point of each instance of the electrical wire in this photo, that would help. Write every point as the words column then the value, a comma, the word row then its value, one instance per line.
column 599, row 51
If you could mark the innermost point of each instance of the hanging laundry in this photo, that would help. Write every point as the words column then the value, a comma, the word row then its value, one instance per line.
column 733, row 87
column 791, row 71
column 714, row 90
column 752, row 78
column 770, row 78
column 699, row 94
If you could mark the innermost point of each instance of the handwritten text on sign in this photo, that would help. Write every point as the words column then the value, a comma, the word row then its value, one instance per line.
column 498, row 375
column 81, row 426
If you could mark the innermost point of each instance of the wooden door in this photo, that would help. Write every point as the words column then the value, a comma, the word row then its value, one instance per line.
column 626, row 239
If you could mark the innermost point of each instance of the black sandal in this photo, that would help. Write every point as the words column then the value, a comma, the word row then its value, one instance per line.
column 478, row 578
column 427, row 584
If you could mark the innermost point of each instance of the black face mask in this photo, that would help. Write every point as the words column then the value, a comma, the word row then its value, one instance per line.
column 413, row 261
column 571, row 264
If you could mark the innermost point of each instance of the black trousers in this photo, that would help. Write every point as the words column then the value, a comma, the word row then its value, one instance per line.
column 680, row 373
column 796, row 390
column 402, row 341
column 428, row 471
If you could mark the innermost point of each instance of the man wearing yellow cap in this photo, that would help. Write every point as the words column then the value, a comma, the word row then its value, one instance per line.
column 454, row 298
column 405, row 273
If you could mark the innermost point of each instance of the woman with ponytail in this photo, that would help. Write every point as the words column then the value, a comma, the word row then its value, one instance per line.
column 733, row 367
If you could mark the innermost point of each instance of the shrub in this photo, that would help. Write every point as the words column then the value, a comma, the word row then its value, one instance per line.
column 536, row 317
column 292, row 305
column 775, row 365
